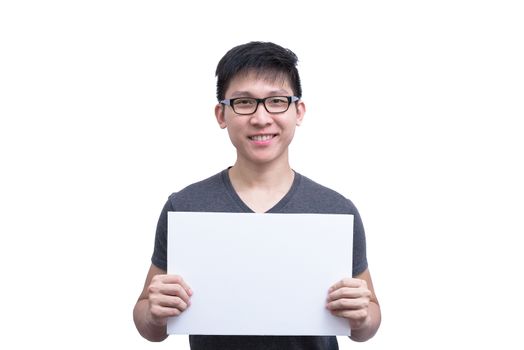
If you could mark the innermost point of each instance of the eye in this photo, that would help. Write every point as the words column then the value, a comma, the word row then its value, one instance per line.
column 244, row 102
column 277, row 101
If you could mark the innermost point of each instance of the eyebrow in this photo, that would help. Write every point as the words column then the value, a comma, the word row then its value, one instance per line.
column 280, row 92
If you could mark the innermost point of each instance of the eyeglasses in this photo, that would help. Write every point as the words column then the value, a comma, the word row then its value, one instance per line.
column 249, row 105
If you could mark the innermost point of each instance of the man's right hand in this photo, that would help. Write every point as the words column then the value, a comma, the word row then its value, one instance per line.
column 168, row 296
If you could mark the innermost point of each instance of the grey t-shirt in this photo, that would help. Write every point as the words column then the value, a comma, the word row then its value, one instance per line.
column 216, row 194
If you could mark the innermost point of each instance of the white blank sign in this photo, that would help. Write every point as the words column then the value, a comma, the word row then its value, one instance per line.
column 259, row 274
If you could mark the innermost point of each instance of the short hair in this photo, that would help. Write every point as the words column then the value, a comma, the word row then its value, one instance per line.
column 264, row 58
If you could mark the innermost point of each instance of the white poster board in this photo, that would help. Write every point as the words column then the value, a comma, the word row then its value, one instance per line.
column 259, row 274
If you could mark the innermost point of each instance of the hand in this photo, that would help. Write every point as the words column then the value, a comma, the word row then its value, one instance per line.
column 168, row 296
column 349, row 298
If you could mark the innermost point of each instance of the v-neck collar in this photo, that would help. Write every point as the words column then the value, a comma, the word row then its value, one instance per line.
column 243, row 206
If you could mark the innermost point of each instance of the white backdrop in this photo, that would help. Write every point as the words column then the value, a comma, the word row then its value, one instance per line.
column 106, row 107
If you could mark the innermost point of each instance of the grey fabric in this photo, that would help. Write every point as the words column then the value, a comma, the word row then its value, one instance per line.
column 216, row 194
column 212, row 342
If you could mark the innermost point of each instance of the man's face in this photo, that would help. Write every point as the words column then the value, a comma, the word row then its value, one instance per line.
column 262, row 137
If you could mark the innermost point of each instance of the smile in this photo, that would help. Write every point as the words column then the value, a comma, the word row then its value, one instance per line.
column 262, row 137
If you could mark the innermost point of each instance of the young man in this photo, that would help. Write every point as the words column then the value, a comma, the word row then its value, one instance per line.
column 258, row 89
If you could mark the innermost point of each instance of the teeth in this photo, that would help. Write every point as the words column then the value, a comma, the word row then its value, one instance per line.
column 261, row 137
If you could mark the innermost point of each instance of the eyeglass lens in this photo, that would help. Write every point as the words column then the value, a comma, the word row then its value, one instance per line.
column 274, row 104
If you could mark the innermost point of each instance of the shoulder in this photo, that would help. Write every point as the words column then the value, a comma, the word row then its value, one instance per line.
column 321, row 198
column 200, row 196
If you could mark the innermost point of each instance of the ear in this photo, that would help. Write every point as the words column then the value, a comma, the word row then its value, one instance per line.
column 301, row 110
column 220, row 115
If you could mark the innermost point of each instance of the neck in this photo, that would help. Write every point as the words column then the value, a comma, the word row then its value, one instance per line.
column 270, row 176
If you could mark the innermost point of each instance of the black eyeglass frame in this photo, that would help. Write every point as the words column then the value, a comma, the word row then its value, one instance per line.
column 230, row 102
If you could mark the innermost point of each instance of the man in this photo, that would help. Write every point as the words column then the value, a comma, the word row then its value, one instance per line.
column 258, row 89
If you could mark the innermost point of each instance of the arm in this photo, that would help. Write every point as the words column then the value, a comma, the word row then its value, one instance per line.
column 355, row 300
column 163, row 296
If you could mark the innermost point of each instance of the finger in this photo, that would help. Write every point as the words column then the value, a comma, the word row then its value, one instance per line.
column 347, row 282
column 176, row 279
column 350, row 293
column 175, row 290
column 174, row 302
column 348, row 304
column 168, row 285
column 162, row 312
column 166, row 306
column 355, row 315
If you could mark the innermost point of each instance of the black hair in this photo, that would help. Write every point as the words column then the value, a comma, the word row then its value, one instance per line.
column 263, row 58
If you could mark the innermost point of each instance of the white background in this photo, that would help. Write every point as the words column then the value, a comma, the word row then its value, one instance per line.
column 414, row 113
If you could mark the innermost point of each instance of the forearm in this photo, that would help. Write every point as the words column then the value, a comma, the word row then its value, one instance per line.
column 370, row 327
column 144, row 324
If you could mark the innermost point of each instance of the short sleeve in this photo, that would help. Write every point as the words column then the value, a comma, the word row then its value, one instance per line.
column 159, row 258
column 360, row 263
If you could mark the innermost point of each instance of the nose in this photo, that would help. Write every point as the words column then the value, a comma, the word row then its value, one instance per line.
column 261, row 117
